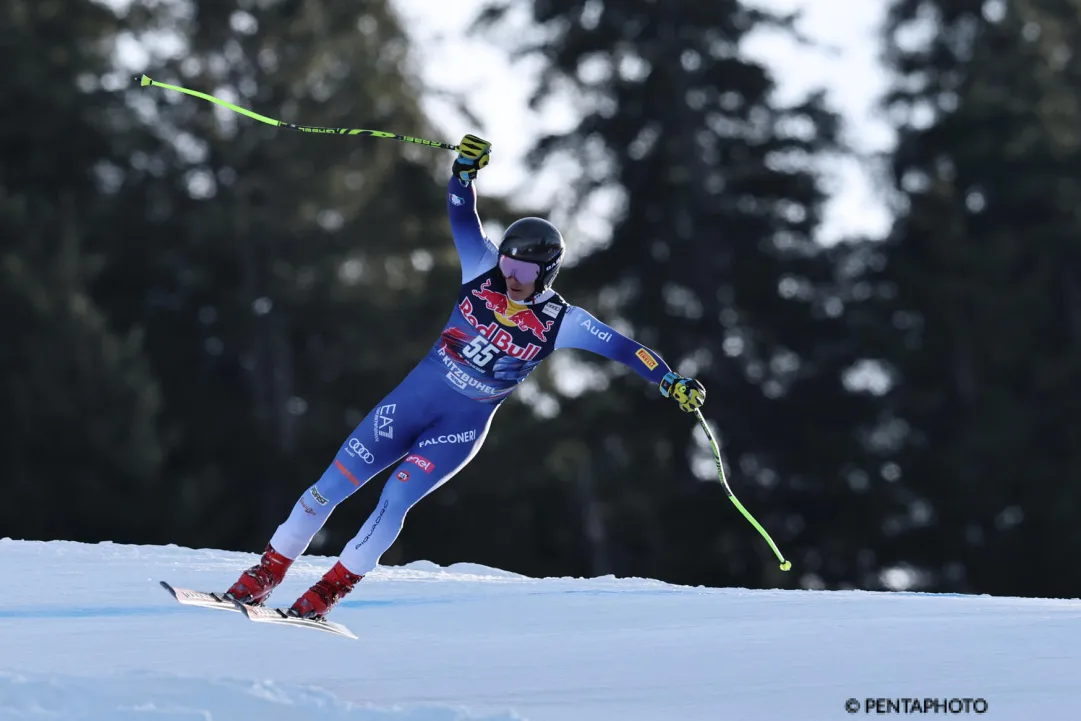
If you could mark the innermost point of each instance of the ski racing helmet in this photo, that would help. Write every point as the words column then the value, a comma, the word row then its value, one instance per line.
column 535, row 240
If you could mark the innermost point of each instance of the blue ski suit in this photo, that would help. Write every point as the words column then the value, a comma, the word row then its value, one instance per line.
column 435, row 421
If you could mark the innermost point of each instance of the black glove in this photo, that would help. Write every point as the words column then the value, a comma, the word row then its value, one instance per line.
column 473, row 154
column 687, row 392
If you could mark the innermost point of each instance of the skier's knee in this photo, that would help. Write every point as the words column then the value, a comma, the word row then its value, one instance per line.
column 320, row 504
column 338, row 482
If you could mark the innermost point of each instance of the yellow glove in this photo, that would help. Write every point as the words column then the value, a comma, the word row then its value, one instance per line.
column 687, row 392
column 473, row 154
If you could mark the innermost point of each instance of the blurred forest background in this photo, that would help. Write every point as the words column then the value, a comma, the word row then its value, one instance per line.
column 198, row 308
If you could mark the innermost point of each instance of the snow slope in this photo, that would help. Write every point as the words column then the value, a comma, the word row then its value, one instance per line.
column 86, row 633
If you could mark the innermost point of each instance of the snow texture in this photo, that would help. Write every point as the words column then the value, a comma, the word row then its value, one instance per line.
column 86, row 633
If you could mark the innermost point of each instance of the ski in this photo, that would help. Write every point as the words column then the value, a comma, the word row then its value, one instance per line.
column 264, row 614
column 259, row 614
column 202, row 599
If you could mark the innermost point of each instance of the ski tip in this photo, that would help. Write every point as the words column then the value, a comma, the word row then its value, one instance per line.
column 168, row 588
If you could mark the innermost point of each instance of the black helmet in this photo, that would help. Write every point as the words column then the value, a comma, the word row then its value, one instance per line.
column 537, row 241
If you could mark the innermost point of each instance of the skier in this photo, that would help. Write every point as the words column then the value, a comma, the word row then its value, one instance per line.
column 508, row 319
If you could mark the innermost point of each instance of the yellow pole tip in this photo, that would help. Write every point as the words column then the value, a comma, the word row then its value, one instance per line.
column 786, row 565
column 145, row 80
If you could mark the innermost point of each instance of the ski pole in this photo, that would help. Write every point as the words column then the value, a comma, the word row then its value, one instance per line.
column 785, row 565
column 145, row 81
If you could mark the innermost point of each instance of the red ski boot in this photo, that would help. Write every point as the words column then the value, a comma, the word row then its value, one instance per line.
column 325, row 594
column 254, row 585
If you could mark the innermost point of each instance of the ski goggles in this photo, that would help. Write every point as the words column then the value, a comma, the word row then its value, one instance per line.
column 523, row 270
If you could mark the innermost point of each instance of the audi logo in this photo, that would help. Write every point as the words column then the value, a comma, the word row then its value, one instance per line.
column 356, row 448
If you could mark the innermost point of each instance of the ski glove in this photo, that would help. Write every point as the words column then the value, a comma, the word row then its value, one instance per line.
column 473, row 154
column 687, row 392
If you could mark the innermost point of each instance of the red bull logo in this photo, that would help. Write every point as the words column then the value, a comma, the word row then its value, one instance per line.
column 496, row 302
column 524, row 319
column 498, row 337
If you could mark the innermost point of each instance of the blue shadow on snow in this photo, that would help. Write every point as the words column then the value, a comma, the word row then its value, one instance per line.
column 167, row 609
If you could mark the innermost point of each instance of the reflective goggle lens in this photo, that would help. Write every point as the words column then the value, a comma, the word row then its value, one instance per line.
column 524, row 271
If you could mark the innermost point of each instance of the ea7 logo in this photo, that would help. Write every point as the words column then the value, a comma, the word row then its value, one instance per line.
column 420, row 461
column 358, row 450
column 384, row 427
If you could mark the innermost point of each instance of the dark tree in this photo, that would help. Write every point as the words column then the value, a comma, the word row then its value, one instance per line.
column 982, row 330
column 712, row 261
column 79, row 404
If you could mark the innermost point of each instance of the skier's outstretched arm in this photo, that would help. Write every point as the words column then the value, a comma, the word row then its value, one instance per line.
column 476, row 253
column 581, row 330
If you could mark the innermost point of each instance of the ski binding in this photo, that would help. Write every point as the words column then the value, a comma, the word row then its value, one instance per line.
column 264, row 614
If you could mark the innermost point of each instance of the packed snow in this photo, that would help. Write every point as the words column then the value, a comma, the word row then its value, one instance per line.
column 87, row 632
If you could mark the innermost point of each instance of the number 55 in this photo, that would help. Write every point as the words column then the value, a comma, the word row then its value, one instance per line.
column 480, row 351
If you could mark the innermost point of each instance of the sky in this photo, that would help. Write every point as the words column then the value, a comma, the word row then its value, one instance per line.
column 844, row 61
column 847, row 66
